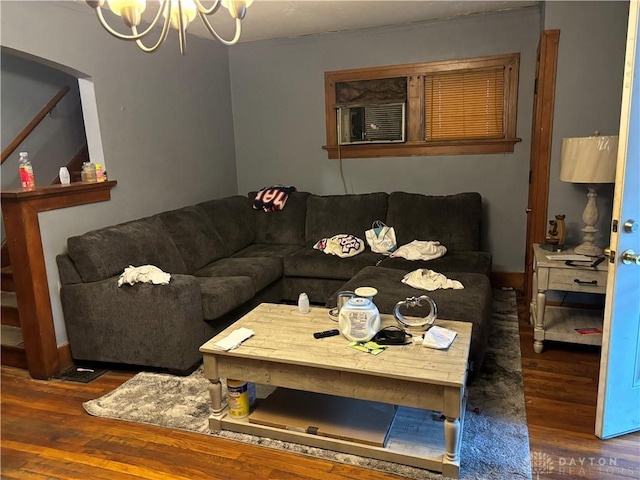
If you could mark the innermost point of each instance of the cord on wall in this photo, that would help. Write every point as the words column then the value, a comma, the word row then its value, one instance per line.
column 344, row 182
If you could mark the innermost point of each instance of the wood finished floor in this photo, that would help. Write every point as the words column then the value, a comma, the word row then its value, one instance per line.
column 47, row 435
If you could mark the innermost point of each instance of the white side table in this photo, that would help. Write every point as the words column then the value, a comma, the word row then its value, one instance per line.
column 560, row 323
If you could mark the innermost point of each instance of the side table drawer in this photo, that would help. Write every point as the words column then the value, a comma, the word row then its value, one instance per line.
column 588, row 281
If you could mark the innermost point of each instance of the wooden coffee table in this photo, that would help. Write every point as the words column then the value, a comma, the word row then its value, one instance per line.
column 284, row 353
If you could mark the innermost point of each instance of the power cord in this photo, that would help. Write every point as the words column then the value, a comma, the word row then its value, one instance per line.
column 344, row 182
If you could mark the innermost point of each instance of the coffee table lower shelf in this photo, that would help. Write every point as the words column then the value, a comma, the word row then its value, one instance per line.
column 415, row 438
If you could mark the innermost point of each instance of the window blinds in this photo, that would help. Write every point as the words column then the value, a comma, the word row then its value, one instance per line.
column 464, row 105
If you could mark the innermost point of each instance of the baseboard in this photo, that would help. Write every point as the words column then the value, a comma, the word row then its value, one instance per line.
column 513, row 280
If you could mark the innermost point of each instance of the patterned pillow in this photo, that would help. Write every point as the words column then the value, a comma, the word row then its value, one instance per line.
column 343, row 245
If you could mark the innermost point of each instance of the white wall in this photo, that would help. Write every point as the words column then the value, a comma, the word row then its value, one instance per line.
column 279, row 120
column 165, row 120
column 588, row 97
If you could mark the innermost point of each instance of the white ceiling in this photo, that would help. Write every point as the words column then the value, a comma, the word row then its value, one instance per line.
column 270, row 19
column 267, row 19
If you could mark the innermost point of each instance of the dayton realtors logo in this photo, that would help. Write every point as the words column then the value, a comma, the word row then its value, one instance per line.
column 542, row 463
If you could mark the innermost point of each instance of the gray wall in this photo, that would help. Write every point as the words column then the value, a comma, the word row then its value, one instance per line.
column 165, row 120
column 588, row 97
column 279, row 122
column 278, row 99
column 26, row 87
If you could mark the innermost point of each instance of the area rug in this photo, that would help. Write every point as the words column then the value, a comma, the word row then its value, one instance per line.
column 495, row 442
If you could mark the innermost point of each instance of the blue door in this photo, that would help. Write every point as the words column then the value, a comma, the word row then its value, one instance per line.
column 618, row 409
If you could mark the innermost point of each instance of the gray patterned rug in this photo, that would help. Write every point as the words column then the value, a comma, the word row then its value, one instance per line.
column 495, row 441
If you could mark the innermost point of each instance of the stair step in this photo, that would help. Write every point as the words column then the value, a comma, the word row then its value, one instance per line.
column 10, row 315
column 6, row 274
column 14, row 357
column 13, row 353
column 11, row 336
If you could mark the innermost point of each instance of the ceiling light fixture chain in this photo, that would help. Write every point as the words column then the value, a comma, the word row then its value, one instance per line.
column 177, row 14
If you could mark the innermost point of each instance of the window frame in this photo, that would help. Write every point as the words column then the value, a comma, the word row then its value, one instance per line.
column 415, row 144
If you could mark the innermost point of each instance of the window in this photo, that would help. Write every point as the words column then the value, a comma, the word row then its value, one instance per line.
column 462, row 105
column 452, row 108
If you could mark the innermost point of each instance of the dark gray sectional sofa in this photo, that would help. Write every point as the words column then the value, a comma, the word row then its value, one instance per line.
column 224, row 258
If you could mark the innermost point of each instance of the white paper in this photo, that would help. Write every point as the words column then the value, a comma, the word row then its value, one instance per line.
column 234, row 339
column 438, row 337
column 572, row 257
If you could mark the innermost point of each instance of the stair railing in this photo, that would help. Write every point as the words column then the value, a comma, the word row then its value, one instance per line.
column 34, row 123
column 26, row 131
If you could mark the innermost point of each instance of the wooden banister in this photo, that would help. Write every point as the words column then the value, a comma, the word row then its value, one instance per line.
column 20, row 209
column 34, row 123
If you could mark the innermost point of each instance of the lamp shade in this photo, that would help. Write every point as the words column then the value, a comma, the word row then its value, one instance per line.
column 589, row 159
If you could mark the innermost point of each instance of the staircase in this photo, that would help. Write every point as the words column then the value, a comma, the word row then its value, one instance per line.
column 36, row 354
column 13, row 351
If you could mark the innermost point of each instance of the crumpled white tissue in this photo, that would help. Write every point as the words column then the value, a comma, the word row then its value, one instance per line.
column 429, row 280
column 234, row 339
column 143, row 274
column 420, row 250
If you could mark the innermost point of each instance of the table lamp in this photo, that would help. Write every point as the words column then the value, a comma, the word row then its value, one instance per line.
column 589, row 160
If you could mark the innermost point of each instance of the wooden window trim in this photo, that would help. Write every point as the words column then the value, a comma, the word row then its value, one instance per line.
column 415, row 144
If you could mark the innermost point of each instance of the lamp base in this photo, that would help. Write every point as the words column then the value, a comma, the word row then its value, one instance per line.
column 590, row 218
column 588, row 249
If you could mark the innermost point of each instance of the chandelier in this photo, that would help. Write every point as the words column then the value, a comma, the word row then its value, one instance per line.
column 177, row 14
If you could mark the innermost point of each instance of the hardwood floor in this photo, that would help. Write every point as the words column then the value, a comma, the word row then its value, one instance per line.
column 561, row 386
column 47, row 435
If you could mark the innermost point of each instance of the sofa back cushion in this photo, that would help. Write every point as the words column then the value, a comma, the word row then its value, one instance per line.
column 352, row 213
column 106, row 252
column 194, row 235
column 453, row 220
column 233, row 219
column 282, row 227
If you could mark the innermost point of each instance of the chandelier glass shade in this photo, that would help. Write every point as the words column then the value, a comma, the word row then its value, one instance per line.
column 177, row 14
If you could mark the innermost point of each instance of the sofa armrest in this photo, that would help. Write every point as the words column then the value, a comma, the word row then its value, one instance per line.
column 141, row 324
column 67, row 270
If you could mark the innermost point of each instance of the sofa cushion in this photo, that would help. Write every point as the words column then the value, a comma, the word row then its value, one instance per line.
column 103, row 253
column 333, row 214
column 472, row 262
column 262, row 270
column 453, row 220
column 194, row 235
column 220, row 295
column 267, row 250
column 284, row 226
column 315, row 264
column 472, row 304
column 233, row 219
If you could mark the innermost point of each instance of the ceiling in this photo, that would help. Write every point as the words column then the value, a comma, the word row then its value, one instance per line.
column 271, row 19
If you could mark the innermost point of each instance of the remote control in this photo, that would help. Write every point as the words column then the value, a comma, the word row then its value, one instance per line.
column 327, row 333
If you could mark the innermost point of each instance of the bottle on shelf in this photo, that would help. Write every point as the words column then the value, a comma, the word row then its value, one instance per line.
column 27, row 179
column 63, row 175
